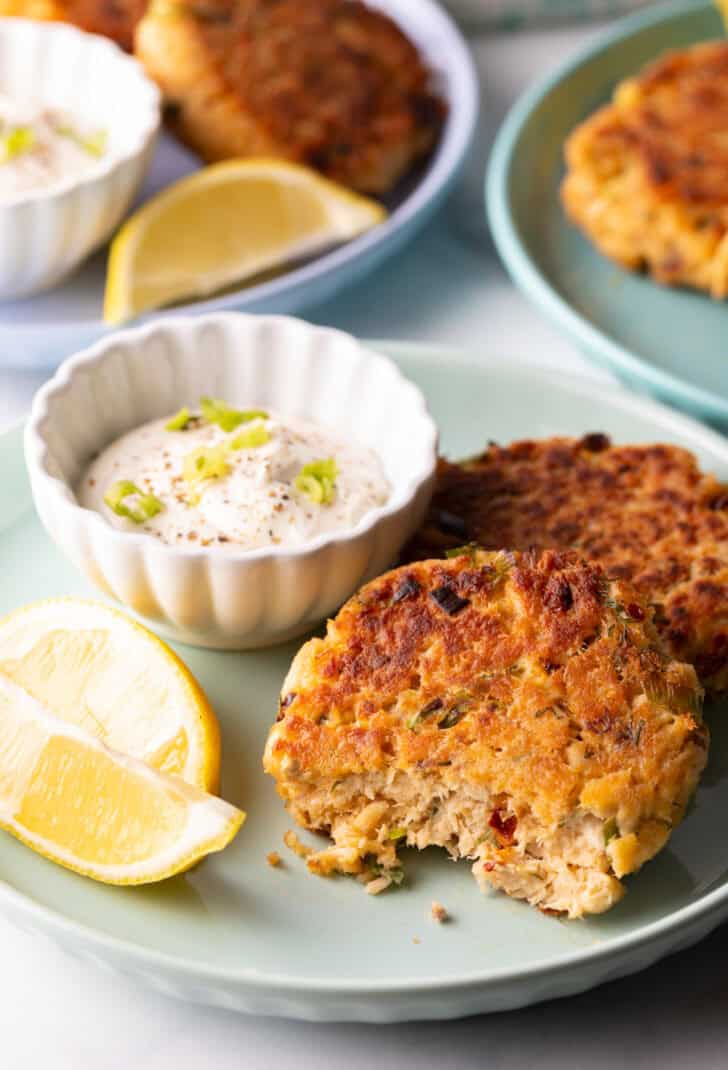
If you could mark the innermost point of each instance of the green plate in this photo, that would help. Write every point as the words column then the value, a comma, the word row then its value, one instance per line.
column 238, row 934
column 671, row 342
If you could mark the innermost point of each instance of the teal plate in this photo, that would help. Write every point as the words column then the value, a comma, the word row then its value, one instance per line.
column 670, row 342
column 238, row 934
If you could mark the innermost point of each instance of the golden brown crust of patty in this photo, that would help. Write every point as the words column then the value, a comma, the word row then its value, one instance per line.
column 647, row 514
column 328, row 83
column 116, row 19
column 647, row 175
column 528, row 674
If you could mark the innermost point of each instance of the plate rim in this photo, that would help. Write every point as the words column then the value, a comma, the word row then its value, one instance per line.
column 710, row 906
column 343, row 264
column 512, row 249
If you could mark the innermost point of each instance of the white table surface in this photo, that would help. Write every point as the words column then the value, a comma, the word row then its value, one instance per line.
column 64, row 1014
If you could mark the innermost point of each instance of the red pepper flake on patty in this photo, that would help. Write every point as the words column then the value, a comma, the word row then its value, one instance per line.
column 504, row 828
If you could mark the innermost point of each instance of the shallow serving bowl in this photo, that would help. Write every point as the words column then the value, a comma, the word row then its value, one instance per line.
column 46, row 233
column 202, row 596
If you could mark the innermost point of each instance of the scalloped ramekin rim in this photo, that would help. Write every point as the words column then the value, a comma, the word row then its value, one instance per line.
column 144, row 133
column 36, row 450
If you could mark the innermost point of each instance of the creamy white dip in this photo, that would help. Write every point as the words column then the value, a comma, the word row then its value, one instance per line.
column 254, row 502
column 42, row 148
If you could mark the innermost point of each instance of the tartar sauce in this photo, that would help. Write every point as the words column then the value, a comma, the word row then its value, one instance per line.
column 40, row 148
column 269, row 481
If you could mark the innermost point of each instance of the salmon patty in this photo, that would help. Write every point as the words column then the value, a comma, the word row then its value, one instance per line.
column 647, row 175
column 647, row 514
column 513, row 708
column 328, row 83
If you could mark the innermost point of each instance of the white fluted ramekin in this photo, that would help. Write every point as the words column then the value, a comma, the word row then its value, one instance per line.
column 252, row 597
column 45, row 234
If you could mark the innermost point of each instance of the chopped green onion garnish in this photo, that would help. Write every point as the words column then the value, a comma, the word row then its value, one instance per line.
column 311, row 487
column 94, row 144
column 610, row 829
column 179, row 421
column 145, row 507
column 395, row 874
column 397, row 834
column 433, row 706
column 218, row 412
column 470, row 549
column 316, row 480
column 17, row 141
column 452, row 717
column 205, row 463
column 326, row 468
column 251, row 438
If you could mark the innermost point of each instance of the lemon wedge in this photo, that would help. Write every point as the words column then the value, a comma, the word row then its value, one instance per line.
column 101, row 813
column 224, row 224
column 93, row 667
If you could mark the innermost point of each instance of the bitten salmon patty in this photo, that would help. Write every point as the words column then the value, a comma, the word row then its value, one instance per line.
column 329, row 83
column 647, row 514
column 647, row 175
column 513, row 708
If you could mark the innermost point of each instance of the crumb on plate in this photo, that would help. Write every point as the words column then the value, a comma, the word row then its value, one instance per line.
column 292, row 841
column 379, row 884
column 438, row 912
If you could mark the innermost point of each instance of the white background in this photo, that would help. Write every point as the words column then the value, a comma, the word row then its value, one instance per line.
column 60, row 1013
